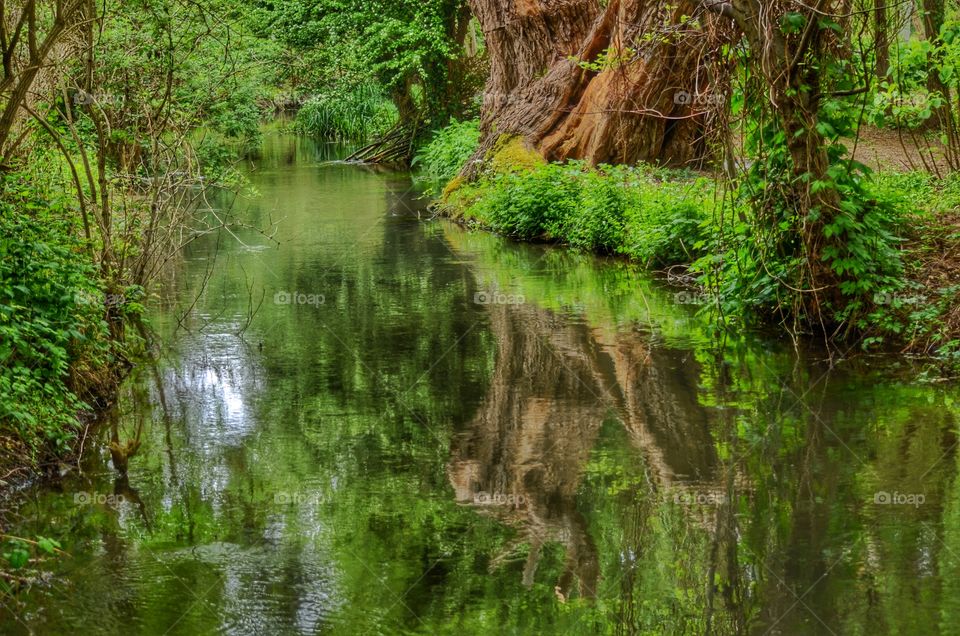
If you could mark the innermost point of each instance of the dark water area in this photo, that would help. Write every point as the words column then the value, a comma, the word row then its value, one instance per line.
column 427, row 430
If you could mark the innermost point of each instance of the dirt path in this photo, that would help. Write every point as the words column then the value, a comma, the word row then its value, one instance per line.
column 884, row 149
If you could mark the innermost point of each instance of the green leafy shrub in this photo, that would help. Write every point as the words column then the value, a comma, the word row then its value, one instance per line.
column 50, row 317
column 531, row 205
column 599, row 222
column 891, row 108
column 448, row 150
column 653, row 216
column 666, row 226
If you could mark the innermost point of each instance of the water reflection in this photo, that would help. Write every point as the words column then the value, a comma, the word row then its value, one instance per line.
column 403, row 459
column 555, row 383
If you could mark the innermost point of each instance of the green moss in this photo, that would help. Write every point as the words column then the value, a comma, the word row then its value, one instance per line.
column 455, row 184
column 512, row 154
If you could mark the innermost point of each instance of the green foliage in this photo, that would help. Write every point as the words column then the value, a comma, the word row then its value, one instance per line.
column 49, row 317
column 894, row 109
column 357, row 115
column 651, row 215
column 21, row 560
column 186, row 64
column 531, row 205
column 332, row 47
column 920, row 309
column 906, row 98
column 600, row 223
column 862, row 241
column 448, row 150
column 238, row 115
column 917, row 193
column 666, row 223
column 801, row 232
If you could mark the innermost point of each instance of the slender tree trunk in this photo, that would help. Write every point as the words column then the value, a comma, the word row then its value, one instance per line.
column 787, row 66
column 618, row 83
column 933, row 16
column 881, row 30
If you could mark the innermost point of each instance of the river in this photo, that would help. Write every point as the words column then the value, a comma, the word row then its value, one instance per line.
column 429, row 430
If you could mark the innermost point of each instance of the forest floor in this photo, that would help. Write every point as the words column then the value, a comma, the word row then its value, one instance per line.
column 932, row 245
column 883, row 149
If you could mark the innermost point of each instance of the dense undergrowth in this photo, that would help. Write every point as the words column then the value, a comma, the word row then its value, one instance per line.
column 54, row 342
column 899, row 265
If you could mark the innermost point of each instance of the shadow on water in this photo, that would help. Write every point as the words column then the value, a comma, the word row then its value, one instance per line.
column 430, row 430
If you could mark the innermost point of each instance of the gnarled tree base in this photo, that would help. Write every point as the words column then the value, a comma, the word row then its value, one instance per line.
column 630, row 82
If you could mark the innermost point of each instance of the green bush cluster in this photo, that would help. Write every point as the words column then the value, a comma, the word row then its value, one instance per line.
column 355, row 115
column 448, row 150
column 654, row 216
column 662, row 218
column 50, row 317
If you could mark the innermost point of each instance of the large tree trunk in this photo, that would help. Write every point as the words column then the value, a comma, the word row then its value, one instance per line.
column 615, row 84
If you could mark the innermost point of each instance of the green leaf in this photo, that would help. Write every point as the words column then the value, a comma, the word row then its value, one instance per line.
column 18, row 557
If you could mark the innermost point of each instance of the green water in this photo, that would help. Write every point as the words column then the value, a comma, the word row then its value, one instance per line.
column 443, row 432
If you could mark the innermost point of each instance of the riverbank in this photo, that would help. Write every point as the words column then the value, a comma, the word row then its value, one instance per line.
column 899, row 276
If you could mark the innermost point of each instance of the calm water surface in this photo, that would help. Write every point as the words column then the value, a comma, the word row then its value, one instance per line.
column 425, row 430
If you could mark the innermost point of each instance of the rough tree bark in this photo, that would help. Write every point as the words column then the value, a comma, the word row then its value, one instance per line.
column 615, row 84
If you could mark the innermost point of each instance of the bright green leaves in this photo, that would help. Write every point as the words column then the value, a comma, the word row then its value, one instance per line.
column 793, row 22
column 334, row 46
column 353, row 115
column 47, row 319
column 17, row 556
column 21, row 559
column 656, row 217
column 47, row 545
column 448, row 151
